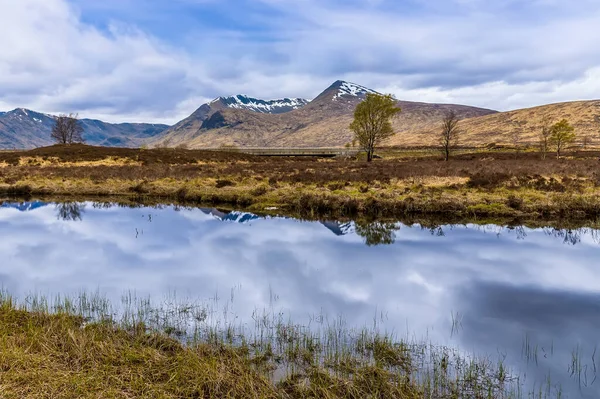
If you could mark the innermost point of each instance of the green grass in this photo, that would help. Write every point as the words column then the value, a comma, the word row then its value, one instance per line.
column 83, row 347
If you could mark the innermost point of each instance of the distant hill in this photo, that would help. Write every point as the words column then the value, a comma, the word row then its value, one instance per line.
column 322, row 122
column 23, row 128
column 497, row 128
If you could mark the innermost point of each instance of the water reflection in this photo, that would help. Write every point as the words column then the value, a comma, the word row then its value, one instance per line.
column 70, row 211
column 530, row 296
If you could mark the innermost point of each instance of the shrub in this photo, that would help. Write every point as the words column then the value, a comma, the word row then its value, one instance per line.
column 224, row 183
column 140, row 188
column 258, row 191
column 181, row 194
column 514, row 202
column 480, row 180
column 335, row 186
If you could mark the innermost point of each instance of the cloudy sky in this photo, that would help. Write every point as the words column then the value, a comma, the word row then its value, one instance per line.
column 158, row 60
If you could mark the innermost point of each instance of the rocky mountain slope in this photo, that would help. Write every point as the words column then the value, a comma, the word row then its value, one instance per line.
column 322, row 122
column 23, row 128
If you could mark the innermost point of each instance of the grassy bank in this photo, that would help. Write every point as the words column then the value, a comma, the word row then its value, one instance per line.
column 472, row 185
column 79, row 348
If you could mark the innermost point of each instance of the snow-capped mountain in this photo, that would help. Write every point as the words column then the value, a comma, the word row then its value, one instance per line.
column 339, row 228
column 347, row 89
column 241, row 101
column 323, row 122
column 24, row 206
column 233, row 216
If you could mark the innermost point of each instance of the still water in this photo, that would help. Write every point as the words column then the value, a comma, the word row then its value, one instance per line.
column 489, row 290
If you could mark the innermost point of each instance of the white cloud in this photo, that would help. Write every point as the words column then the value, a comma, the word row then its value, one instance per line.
column 500, row 55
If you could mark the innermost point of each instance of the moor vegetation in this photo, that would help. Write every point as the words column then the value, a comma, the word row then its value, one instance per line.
column 84, row 347
column 470, row 184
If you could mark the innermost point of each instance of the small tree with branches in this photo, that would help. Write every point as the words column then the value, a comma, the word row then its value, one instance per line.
column 586, row 141
column 515, row 138
column 67, row 130
column 450, row 134
column 597, row 123
column 544, row 137
column 372, row 121
column 561, row 135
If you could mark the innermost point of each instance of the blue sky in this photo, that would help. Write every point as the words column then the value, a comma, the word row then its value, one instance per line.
column 158, row 60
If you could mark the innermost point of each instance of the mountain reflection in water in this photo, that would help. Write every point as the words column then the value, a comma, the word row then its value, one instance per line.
column 529, row 296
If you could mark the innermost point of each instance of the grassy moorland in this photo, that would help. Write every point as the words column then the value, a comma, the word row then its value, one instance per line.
column 478, row 184
column 80, row 348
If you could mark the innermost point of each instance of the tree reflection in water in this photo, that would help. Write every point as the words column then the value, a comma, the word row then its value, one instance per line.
column 70, row 211
column 377, row 233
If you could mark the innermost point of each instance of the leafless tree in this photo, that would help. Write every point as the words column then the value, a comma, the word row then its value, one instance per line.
column 450, row 134
column 586, row 141
column 597, row 123
column 67, row 130
column 544, row 137
column 515, row 139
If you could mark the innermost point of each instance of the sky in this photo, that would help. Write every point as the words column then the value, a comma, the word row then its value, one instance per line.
column 159, row 60
column 499, row 285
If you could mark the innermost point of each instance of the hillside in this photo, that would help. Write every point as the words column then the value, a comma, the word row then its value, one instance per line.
column 322, row 122
column 498, row 128
column 583, row 115
column 23, row 128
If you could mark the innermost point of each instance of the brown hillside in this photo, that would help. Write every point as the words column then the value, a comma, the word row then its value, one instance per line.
column 321, row 123
column 497, row 128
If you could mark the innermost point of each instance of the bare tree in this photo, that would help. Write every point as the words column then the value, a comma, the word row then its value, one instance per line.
column 586, row 141
column 450, row 134
column 515, row 139
column 70, row 211
column 67, row 130
column 544, row 137
column 597, row 123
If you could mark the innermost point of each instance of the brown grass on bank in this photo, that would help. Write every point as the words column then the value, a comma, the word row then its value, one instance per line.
column 475, row 184
column 55, row 356
column 60, row 356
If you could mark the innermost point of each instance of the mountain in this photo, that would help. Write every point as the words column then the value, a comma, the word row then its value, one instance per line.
column 233, row 216
column 263, row 106
column 23, row 128
column 322, row 122
column 498, row 128
column 340, row 228
column 24, row 206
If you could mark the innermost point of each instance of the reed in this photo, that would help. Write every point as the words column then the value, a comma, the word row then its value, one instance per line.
column 85, row 346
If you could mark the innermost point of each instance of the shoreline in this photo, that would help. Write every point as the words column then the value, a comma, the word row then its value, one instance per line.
column 474, row 185
column 314, row 201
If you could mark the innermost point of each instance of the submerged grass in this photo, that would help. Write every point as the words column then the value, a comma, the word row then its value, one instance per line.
column 83, row 347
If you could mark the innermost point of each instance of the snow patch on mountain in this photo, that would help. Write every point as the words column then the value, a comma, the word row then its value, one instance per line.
column 24, row 206
column 241, row 101
column 235, row 216
column 353, row 90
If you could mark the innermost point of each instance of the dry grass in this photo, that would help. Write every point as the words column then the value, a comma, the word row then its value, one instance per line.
column 476, row 184
column 58, row 356
column 72, row 348
column 496, row 128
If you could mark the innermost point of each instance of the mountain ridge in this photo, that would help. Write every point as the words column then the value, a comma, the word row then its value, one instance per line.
column 322, row 122
column 23, row 128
